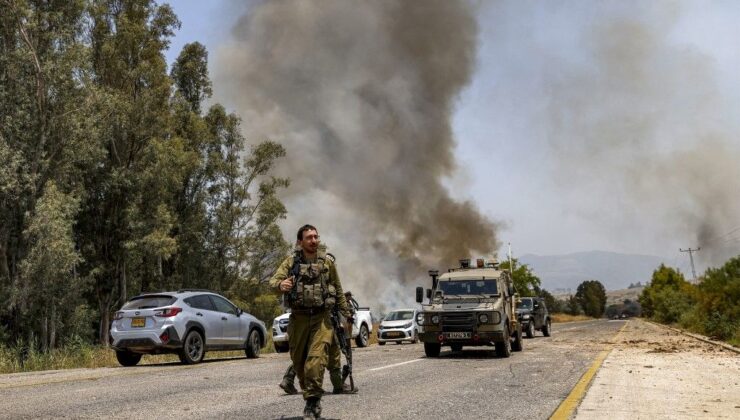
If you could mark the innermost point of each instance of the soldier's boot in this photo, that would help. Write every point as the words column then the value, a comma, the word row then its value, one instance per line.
column 288, row 382
column 313, row 409
column 338, row 384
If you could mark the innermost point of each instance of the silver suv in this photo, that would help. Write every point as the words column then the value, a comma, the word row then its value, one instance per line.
column 187, row 322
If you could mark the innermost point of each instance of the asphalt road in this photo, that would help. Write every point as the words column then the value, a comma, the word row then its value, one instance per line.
column 395, row 381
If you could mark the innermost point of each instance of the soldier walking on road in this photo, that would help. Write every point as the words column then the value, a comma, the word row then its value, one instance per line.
column 311, row 285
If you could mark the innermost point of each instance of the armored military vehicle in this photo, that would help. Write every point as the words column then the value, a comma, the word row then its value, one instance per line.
column 471, row 305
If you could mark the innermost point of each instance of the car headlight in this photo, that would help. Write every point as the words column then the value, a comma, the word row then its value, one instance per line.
column 420, row 318
column 407, row 325
column 483, row 318
column 435, row 319
column 525, row 316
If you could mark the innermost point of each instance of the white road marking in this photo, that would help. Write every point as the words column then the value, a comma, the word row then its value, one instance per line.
column 395, row 364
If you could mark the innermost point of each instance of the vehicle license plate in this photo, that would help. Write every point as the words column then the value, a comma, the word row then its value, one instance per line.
column 458, row 335
column 394, row 334
column 138, row 322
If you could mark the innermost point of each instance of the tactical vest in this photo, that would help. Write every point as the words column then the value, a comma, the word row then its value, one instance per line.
column 313, row 290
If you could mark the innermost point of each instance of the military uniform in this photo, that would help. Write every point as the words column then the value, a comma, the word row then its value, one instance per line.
column 310, row 332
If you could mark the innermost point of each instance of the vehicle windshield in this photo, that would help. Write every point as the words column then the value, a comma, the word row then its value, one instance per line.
column 146, row 302
column 468, row 287
column 399, row 316
column 524, row 304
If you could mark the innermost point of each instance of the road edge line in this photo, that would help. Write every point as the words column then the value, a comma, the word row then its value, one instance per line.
column 566, row 408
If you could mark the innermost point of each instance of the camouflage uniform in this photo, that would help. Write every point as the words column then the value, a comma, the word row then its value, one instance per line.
column 310, row 332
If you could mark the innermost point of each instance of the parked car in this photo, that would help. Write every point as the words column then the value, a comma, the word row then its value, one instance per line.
column 399, row 326
column 533, row 315
column 361, row 329
column 186, row 322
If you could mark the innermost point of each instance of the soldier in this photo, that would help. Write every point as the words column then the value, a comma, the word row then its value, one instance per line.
column 312, row 287
column 334, row 364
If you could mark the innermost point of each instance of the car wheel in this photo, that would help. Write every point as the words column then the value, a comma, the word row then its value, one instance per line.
column 381, row 343
column 126, row 358
column 517, row 345
column 432, row 349
column 546, row 328
column 363, row 336
column 456, row 347
column 253, row 345
column 415, row 339
column 193, row 348
column 530, row 329
column 503, row 349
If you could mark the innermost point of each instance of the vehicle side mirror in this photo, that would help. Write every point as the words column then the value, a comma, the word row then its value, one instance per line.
column 537, row 306
column 239, row 312
column 419, row 294
column 429, row 293
column 510, row 288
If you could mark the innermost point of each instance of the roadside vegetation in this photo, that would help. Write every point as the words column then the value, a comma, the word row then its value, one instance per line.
column 119, row 177
column 562, row 317
column 711, row 307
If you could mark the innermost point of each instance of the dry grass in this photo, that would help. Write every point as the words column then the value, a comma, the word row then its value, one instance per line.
column 569, row 318
column 88, row 356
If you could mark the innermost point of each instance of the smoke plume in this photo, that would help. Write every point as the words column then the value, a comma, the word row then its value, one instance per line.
column 361, row 94
column 644, row 127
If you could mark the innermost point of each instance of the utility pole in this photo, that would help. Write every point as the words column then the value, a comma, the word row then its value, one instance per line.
column 691, row 257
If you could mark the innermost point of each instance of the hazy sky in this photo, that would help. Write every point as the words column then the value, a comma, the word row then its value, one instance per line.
column 587, row 125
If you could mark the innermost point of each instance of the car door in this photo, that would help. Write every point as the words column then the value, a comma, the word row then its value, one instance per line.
column 206, row 314
column 229, row 321
column 537, row 310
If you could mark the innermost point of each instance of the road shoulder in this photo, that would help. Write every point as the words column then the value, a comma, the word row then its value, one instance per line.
column 655, row 372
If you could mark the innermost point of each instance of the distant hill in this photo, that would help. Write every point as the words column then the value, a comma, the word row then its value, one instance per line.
column 614, row 270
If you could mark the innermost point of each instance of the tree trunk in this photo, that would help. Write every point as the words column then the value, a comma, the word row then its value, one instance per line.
column 53, row 327
column 44, row 333
column 122, row 285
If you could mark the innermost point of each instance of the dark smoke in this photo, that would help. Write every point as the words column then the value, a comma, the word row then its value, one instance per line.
column 361, row 94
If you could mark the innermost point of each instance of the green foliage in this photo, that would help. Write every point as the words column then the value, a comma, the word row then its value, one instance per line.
column 591, row 297
column 113, row 180
column 666, row 284
column 572, row 306
column 526, row 283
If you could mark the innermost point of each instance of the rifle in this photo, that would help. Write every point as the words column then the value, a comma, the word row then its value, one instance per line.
column 344, row 345
column 295, row 271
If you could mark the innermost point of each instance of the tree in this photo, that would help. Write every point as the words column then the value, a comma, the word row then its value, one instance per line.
column 572, row 306
column 553, row 305
column 50, row 289
column 526, row 282
column 591, row 296
column 667, row 296
column 718, row 301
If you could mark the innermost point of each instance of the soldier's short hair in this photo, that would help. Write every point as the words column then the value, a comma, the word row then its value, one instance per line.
column 303, row 229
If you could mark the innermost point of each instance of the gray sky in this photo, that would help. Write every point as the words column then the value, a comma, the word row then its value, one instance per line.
column 587, row 125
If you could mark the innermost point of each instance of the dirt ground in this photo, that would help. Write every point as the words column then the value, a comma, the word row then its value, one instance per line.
column 654, row 372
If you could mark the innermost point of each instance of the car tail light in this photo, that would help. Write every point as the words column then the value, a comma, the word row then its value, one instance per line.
column 118, row 315
column 168, row 312
column 165, row 337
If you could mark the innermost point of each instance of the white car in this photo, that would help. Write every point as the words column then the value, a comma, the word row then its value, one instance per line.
column 399, row 326
column 361, row 329
column 185, row 322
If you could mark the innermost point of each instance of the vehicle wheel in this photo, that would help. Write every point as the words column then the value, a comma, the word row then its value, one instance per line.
column 415, row 339
column 126, row 358
column 253, row 345
column 546, row 328
column 281, row 347
column 432, row 349
column 503, row 349
column 193, row 348
column 530, row 329
column 381, row 343
column 518, row 340
column 456, row 347
column 363, row 336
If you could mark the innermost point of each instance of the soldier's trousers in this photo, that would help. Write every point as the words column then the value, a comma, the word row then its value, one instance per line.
column 334, row 365
column 310, row 337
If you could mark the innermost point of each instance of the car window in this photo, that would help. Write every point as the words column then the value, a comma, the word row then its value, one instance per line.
column 400, row 315
column 222, row 305
column 200, row 302
column 145, row 302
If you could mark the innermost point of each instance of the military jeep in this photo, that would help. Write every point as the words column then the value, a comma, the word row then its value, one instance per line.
column 470, row 306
